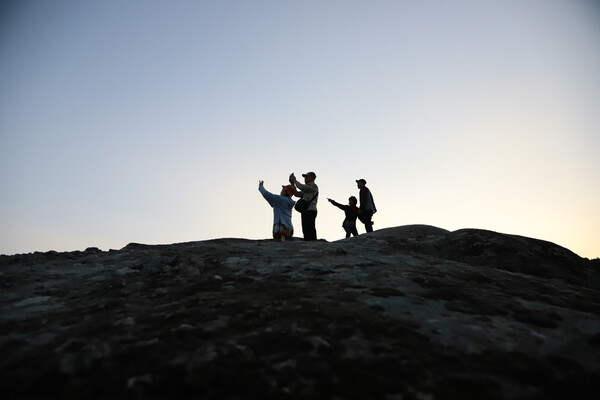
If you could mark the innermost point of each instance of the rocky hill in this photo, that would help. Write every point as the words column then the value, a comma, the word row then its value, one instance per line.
column 413, row 312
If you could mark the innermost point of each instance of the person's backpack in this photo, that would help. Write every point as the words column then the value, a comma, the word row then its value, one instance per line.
column 302, row 205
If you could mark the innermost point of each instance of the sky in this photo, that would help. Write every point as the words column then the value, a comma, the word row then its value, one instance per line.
column 153, row 121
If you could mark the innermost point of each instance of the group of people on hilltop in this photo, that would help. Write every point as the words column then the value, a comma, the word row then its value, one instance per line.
column 283, row 204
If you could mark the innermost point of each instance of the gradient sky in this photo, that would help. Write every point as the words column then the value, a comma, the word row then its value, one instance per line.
column 153, row 121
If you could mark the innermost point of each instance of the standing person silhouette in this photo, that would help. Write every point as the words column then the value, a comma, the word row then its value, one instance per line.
column 367, row 205
column 351, row 211
column 309, row 192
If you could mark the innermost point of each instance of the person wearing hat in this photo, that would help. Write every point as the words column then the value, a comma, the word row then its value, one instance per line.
column 367, row 205
column 310, row 193
column 282, row 211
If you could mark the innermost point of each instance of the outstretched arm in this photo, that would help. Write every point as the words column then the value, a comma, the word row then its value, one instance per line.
column 335, row 203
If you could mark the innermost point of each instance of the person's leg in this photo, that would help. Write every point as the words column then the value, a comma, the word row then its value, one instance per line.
column 354, row 231
column 305, row 224
column 368, row 224
column 276, row 233
column 362, row 218
column 309, row 225
column 288, row 233
column 281, row 233
column 348, row 231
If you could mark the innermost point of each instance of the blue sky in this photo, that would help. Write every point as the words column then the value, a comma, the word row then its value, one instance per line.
column 152, row 121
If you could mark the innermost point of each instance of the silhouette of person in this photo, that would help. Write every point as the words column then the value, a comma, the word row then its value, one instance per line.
column 310, row 193
column 351, row 212
column 282, row 211
column 367, row 205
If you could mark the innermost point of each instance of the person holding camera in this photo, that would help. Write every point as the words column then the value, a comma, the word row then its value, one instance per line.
column 307, row 205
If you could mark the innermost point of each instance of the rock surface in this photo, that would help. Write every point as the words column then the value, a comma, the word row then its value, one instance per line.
column 413, row 312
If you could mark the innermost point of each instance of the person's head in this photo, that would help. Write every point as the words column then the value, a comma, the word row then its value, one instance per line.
column 288, row 190
column 352, row 201
column 361, row 183
column 309, row 177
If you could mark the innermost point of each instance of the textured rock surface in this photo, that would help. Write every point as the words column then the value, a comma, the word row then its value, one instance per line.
column 413, row 312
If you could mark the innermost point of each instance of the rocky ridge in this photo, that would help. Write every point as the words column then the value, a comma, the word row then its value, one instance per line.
column 412, row 312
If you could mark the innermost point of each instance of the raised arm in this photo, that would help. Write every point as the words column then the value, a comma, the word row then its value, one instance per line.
column 273, row 199
column 306, row 188
column 269, row 197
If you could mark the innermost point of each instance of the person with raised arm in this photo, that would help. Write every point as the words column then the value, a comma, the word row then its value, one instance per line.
column 307, row 205
column 282, row 210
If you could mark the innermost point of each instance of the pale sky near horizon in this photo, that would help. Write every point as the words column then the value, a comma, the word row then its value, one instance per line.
column 153, row 121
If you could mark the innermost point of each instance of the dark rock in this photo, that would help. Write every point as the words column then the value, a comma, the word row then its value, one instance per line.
column 413, row 312
column 595, row 340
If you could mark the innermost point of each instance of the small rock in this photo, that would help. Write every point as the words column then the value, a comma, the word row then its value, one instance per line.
column 158, row 264
column 317, row 342
column 139, row 380
column 202, row 356
column 128, row 321
column 220, row 322
column 235, row 261
column 183, row 327
column 125, row 271
column 32, row 300
column 187, row 270
column 134, row 287
column 291, row 363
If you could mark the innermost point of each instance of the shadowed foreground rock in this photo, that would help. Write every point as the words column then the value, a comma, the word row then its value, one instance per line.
column 413, row 312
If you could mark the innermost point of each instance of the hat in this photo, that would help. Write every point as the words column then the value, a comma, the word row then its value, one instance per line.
column 361, row 180
column 309, row 174
column 289, row 189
